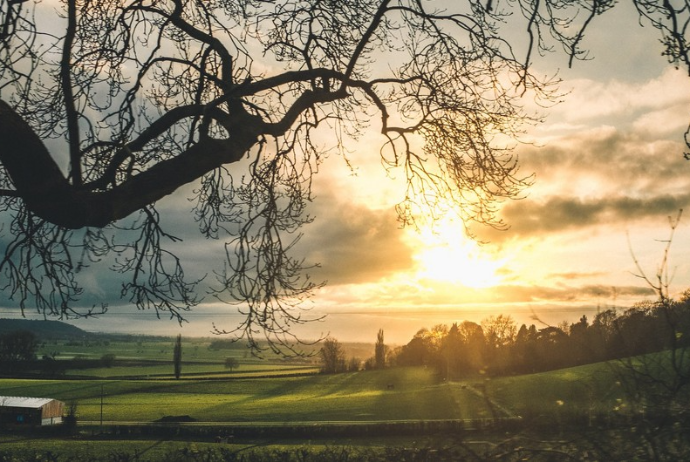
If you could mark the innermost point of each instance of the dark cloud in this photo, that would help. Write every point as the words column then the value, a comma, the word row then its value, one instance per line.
column 620, row 158
column 350, row 242
column 597, row 179
column 567, row 293
column 353, row 243
column 529, row 218
column 574, row 276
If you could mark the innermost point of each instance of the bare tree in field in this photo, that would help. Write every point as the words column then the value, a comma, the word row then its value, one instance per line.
column 108, row 106
column 332, row 357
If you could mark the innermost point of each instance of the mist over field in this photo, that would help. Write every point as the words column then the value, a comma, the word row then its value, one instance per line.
column 344, row 324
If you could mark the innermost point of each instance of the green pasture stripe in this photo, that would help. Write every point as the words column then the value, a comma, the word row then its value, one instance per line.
column 190, row 371
column 387, row 395
column 360, row 396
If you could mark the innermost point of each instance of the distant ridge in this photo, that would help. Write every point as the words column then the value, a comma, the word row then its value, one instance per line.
column 42, row 328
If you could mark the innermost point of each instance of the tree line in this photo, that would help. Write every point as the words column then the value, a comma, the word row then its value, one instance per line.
column 498, row 346
column 19, row 355
column 334, row 360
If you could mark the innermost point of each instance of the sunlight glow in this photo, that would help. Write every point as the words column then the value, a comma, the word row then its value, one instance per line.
column 446, row 255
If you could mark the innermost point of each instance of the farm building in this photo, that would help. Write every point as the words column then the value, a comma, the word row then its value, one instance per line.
column 17, row 410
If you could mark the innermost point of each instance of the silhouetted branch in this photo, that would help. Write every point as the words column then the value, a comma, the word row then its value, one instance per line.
column 147, row 97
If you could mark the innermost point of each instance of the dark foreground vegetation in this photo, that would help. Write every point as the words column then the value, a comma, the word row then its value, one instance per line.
column 298, row 454
column 616, row 442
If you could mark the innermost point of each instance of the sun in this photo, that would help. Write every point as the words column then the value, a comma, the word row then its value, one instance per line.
column 445, row 254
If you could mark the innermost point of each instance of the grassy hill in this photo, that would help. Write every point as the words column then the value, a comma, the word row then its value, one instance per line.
column 579, row 393
column 43, row 329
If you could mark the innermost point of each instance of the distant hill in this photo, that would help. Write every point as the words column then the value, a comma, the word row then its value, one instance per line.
column 42, row 328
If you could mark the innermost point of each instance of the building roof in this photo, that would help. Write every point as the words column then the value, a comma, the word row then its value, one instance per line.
column 21, row 401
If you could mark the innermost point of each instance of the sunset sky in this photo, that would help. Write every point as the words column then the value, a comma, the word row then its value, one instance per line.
column 609, row 171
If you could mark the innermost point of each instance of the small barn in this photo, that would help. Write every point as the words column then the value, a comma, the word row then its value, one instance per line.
column 17, row 410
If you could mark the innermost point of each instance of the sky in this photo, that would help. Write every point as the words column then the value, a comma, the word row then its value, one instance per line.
column 609, row 171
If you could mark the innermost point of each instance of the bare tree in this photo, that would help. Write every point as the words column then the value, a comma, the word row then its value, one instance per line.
column 657, row 384
column 115, row 104
column 332, row 357
column 499, row 331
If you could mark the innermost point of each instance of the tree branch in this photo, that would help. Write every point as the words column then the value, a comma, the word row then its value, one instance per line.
column 68, row 94
column 47, row 194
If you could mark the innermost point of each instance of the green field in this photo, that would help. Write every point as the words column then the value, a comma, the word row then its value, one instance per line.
column 561, row 395
column 198, row 371
column 151, row 357
column 275, row 417
column 274, row 405
column 139, row 387
column 358, row 396
column 150, row 348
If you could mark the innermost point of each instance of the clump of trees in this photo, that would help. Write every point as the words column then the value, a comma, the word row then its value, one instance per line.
column 108, row 360
column 18, row 346
column 333, row 358
column 18, row 355
column 17, row 351
column 222, row 344
column 497, row 346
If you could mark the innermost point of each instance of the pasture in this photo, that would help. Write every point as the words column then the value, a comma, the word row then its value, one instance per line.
column 396, row 394
column 152, row 349
column 138, row 386
column 357, row 396
column 297, row 406
column 576, row 394
column 280, row 406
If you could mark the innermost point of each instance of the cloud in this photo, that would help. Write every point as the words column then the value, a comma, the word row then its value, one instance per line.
column 616, row 159
column 519, row 293
column 578, row 275
column 397, row 293
column 353, row 243
column 611, row 33
column 609, row 100
column 665, row 122
column 602, row 176
column 563, row 293
column 559, row 214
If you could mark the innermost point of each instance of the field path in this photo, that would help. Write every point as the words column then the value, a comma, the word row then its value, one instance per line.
column 491, row 403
